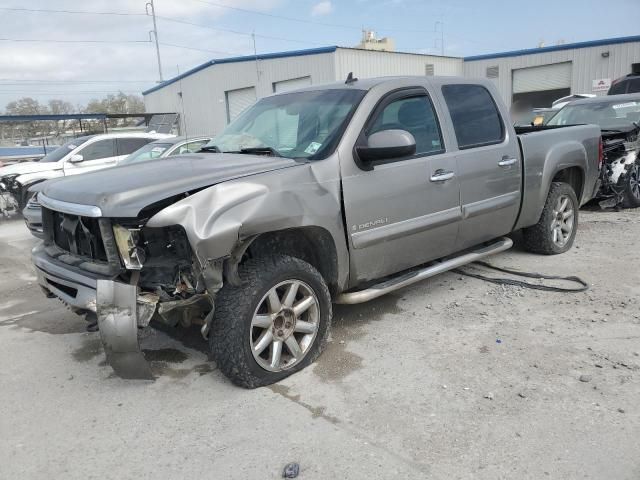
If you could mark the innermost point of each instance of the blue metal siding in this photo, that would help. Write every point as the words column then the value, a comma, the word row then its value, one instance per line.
column 555, row 48
column 246, row 58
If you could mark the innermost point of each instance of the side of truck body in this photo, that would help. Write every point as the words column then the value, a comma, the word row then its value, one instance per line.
column 339, row 224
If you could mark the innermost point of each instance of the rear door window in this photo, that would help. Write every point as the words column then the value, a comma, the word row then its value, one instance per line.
column 634, row 86
column 98, row 150
column 475, row 116
column 130, row 145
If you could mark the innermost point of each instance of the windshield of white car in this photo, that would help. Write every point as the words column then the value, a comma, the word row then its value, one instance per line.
column 609, row 115
column 306, row 124
column 60, row 152
column 149, row 152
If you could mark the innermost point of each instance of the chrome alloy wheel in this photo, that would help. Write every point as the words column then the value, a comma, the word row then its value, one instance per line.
column 634, row 180
column 284, row 326
column 562, row 221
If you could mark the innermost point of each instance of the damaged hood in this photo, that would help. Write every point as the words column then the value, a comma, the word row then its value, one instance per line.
column 124, row 191
column 28, row 167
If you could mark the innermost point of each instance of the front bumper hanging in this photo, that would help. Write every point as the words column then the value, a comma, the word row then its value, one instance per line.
column 117, row 305
column 118, row 323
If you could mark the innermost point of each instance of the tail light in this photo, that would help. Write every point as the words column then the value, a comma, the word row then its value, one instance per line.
column 600, row 154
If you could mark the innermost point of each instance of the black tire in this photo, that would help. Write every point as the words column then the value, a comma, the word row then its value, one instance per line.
column 631, row 195
column 540, row 237
column 229, row 338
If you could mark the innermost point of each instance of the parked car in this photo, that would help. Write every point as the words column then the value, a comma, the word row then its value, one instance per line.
column 619, row 119
column 627, row 84
column 338, row 193
column 79, row 155
column 166, row 147
column 536, row 117
column 561, row 102
column 162, row 148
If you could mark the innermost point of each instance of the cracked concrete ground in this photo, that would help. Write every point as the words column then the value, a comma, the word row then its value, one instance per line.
column 453, row 378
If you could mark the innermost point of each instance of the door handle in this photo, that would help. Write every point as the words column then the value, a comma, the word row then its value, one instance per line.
column 442, row 176
column 507, row 162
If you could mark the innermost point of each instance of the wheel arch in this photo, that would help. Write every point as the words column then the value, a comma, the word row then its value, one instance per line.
column 312, row 244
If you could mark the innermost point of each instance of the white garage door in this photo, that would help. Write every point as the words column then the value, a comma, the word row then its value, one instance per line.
column 292, row 84
column 545, row 77
column 239, row 100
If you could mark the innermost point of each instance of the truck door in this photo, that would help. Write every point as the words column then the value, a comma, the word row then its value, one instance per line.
column 401, row 212
column 489, row 166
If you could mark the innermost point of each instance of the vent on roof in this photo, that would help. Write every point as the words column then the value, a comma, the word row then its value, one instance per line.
column 429, row 69
column 493, row 72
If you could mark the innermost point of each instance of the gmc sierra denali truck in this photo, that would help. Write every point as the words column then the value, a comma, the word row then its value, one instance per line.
column 337, row 193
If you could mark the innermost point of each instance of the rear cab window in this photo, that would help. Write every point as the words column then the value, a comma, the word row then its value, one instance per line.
column 475, row 116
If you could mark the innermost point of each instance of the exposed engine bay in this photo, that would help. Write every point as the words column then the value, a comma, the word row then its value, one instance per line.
column 620, row 154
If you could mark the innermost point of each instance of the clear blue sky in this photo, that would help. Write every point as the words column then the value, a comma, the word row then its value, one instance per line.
column 49, row 53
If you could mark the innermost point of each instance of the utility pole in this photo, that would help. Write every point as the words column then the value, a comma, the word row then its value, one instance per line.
column 435, row 29
column 155, row 34
column 255, row 56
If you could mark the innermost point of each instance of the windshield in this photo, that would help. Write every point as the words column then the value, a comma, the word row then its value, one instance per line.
column 60, row 152
column 295, row 125
column 148, row 152
column 613, row 114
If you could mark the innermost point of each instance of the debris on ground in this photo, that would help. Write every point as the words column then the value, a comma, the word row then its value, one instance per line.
column 291, row 470
column 585, row 378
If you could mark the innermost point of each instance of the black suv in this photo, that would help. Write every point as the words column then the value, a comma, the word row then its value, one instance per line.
column 627, row 84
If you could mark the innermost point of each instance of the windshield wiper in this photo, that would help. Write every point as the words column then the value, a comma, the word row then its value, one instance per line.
column 210, row 148
column 261, row 150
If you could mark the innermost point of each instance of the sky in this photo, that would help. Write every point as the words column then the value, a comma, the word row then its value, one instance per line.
column 80, row 56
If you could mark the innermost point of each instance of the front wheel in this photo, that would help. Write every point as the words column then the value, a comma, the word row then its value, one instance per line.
column 556, row 230
column 631, row 195
column 274, row 324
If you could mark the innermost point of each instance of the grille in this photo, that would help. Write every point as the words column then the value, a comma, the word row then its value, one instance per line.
column 82, row 241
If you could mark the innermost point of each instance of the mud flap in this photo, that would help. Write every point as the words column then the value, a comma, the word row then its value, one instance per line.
column 117, row 320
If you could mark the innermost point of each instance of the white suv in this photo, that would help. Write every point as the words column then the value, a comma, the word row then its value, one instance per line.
column 79, row 155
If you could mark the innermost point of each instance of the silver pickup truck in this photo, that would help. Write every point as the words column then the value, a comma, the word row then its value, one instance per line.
column 329, row 194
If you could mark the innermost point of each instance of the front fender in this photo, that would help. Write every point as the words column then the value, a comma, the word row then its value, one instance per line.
column 217, row 218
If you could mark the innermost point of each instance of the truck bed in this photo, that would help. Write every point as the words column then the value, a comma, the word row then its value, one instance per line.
column 540, row 144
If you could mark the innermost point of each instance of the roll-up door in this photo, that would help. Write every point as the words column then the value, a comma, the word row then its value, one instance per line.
column 239, row 100
column 540, row 86
column 545, row 77
column 292, row 84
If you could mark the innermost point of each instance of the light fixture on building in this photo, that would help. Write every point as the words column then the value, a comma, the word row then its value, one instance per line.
column 605, row 54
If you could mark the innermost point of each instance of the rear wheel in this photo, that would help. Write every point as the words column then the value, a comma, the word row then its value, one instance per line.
column 631, row 195
column 273, row 325
column 556, row 230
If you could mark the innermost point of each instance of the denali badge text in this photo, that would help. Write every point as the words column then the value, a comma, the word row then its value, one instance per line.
column 372, row 223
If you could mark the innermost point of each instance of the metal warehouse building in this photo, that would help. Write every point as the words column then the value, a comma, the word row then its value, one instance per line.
column 539, row 76
column 212, row 94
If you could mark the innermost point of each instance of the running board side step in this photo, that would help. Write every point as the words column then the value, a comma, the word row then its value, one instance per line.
column 410, row 278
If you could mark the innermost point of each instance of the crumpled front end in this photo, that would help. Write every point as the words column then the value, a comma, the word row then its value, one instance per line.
column 125, row 273
column 8, row 198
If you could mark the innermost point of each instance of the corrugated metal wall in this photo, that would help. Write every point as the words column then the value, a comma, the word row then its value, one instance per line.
column 588, row 64
column 368, row 63
column 203, row 108
column 203, row 93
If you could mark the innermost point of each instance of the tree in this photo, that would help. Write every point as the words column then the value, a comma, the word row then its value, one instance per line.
column 26, row 106
column 119, row 103
column 60, row 107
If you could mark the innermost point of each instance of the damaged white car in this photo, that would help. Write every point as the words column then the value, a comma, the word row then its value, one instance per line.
column 619, row 119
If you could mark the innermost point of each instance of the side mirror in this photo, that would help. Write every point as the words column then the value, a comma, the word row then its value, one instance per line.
column 387, row 144
column 76, row 158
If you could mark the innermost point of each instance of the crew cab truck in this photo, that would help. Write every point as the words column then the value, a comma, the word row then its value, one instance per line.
column 329, row 194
